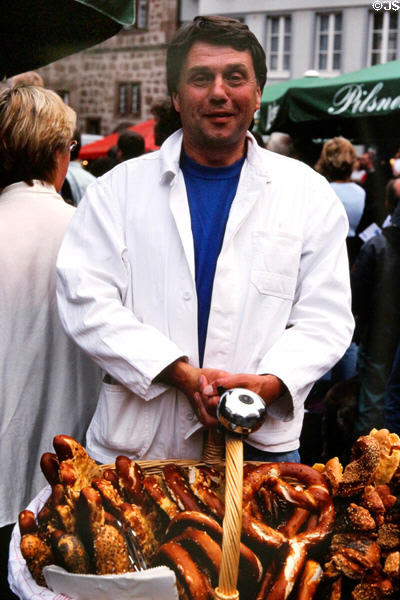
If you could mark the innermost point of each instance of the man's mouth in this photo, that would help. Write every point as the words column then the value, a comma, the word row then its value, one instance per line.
column 219, row 116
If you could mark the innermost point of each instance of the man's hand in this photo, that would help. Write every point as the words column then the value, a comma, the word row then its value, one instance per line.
column 269, row 387
column 191, row 380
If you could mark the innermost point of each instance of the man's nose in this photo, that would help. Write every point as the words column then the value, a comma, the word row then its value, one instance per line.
column 218, row 89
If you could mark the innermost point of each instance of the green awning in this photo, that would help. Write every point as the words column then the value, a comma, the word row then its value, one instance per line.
column 273, row 96
column 364, row 104
column 34, row 33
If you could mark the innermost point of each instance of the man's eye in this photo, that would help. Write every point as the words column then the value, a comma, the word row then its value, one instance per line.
column 235, row 79
column 200, row 79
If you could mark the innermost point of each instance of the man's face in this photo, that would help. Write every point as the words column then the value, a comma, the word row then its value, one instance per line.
column 217, row 96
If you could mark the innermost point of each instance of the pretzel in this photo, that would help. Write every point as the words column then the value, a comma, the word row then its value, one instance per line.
column 132, row 515
column 50, row 465
column 189, row 577
column 130, row 479
column 250, row 568
column 314, row 499
column 285, row 580
column 310, row 579
column 27, row 522
column 179, row 489
column 110, row 551
column 207, row 484
column 155, row 487
column 76, row 467
column 207, row 551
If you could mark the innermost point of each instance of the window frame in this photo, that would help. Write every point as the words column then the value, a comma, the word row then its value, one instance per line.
column 280, row 72
column 330, row 70
column 140, row 4
column 134, row 107
column 385, row 31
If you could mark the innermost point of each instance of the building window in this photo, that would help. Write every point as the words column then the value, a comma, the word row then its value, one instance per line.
column 329, row 42
column 64, row 95
column 93, row 125
column 142, row 14
column 279, row 32
column 383, row 37
column 129, row 99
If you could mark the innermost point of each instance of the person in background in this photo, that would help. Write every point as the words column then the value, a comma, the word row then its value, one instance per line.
column 376, row 305
column 27, row 78
column 336, row 164
column 77, row 178
column 166, row 120
column 281, row 143
column 358, row 175
column 395, row 164
column 210, row 262
column 47, row 385
column 374, row 185
column 101, row 165
column 130, row 144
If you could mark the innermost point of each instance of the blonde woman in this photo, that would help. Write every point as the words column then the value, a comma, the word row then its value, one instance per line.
column 336, row 163
column 47, row 386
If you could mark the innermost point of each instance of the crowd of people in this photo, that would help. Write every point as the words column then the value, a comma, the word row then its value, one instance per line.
column 132, row 294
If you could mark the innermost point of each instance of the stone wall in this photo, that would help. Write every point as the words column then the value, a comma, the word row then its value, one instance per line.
column 92, row 77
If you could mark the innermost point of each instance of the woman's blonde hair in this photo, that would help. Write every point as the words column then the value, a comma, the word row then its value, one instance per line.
column 34, row 123
column 337, row 159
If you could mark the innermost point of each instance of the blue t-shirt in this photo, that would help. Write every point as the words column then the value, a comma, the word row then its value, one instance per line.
column 210, row 193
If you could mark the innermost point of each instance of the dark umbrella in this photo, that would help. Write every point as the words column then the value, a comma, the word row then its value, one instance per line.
column 34, row 33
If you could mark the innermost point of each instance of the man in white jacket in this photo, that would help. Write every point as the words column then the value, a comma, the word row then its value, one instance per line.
column 210, row 262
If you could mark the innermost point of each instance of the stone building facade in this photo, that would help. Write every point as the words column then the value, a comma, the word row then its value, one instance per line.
column 119, row 80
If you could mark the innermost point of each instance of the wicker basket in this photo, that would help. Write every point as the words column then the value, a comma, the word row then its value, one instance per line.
column 214, row 450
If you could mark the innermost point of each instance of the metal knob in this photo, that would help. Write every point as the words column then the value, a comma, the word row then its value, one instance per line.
column 241, row 411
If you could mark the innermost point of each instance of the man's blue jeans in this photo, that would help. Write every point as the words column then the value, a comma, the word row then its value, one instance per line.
column 251, row 453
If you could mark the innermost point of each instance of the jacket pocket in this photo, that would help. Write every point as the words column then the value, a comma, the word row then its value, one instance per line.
column 275, row 264
column 123, row 421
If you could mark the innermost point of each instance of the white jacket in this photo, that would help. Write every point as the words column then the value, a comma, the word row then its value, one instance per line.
column 127, row 295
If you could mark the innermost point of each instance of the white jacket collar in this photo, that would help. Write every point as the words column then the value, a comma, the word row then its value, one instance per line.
column 170, row 153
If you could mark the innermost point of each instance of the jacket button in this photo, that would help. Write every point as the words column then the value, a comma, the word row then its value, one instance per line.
column 187, row 296
column 190, row 416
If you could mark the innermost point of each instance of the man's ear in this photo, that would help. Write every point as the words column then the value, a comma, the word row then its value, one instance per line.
column 259, row 94
column 175, row 101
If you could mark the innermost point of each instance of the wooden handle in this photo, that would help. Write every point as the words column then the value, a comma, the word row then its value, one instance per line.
column 214, row 445
column 232, row 525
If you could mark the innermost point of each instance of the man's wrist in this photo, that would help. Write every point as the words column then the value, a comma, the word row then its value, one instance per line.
column 272, row 388
column 179, row 374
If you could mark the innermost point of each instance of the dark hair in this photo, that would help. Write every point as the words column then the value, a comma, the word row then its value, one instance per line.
column 100, row 166
column 131, row 144
column 166, row 120
column 220, row 31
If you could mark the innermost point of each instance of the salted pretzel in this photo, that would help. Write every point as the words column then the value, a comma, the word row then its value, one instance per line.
column 250, row 568
column 313, row 506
